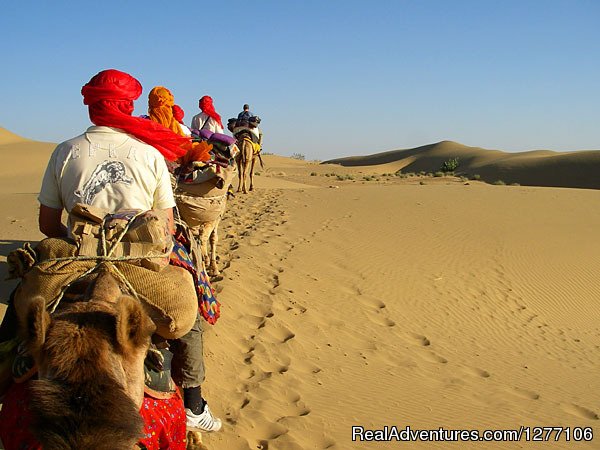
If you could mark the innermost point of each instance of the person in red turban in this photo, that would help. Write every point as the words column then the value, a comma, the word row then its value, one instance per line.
column 119, row 164
column 179, row 114
column 208, row 119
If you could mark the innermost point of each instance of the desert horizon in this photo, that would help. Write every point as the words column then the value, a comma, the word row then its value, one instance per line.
column 372, row 291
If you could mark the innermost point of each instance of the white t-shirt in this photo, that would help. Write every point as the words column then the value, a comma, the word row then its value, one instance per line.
column 185, row 130
column 109, row 169
column 204, row 120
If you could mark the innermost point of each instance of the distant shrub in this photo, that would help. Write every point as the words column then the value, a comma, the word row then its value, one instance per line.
column 299, row 156
column 313, row 174
column 421, row 182
column 463, row 179
column 257, row 174
column 499, row 183
column 476, row 177
column 422, row 173
column 450, row 165
column 428, row 174
column 515, row 184
column 439, row 174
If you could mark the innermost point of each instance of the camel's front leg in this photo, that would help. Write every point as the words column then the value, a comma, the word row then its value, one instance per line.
column 252, row 173
column 203, row 237
column 213, row 269
column 245, row 166
column 239, row 166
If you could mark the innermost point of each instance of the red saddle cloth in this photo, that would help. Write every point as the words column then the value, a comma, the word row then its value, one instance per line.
column 164, row 421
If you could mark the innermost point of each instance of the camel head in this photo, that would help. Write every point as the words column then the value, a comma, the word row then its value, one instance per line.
column 90, row 359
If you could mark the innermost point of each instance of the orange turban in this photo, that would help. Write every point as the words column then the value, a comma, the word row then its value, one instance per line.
column 160, row 108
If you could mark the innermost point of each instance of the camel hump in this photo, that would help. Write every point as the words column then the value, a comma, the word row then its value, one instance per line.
column 105, row 287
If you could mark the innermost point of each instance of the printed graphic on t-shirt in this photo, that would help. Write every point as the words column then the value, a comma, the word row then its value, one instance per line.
column 108, row 172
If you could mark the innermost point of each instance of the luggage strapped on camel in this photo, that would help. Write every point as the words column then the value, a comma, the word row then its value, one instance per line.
column 135, row 246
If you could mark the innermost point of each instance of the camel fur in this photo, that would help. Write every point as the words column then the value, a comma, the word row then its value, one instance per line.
column 245, row 162
column 90, row 360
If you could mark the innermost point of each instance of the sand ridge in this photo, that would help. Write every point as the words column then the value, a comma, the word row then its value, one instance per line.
column 530, row 168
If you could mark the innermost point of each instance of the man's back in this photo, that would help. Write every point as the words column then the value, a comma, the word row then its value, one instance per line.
column 109, row 169
column 245, row 115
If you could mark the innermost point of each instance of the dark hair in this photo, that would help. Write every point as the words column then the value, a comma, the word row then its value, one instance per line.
column 246, row 106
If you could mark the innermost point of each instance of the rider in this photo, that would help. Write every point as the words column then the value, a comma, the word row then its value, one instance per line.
column 178, row 114
column 208, row 119
column 139, row 147
column 245, row 114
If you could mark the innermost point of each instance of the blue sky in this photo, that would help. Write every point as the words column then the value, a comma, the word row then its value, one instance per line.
column 328, row 78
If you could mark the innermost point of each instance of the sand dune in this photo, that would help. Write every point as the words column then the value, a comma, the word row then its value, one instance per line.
column 533, row 168
column 390, row 302
column 8, row 137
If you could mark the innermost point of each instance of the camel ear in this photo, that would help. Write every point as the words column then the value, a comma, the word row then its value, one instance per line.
column 134, row 326
column 34, row 321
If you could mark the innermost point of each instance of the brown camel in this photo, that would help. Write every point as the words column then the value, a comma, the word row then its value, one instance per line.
column 201, row 206
column 245, row 161
column 90, row 359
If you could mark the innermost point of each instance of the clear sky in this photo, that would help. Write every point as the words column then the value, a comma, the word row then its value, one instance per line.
column 328, row 78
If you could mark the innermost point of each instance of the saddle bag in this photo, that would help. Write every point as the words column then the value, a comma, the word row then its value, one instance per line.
column 128, row 233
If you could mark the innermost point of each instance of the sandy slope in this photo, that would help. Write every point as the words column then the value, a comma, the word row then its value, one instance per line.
column 388, row 302
column 533, row 168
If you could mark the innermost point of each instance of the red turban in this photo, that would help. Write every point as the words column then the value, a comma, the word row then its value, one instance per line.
column 178, row 113
column 110, row 95
column 207, row 107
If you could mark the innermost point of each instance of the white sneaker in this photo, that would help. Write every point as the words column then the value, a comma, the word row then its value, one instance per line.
column 203, row 422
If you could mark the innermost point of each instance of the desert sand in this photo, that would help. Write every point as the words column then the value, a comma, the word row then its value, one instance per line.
column 354, row 298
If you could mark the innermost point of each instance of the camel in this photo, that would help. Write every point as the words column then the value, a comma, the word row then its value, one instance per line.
column 201, row 205
column 246, row 161
column 90, row 361
column 89, row 356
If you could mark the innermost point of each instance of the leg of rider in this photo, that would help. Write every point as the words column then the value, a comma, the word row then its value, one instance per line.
column 189, row 371
column 188, row 366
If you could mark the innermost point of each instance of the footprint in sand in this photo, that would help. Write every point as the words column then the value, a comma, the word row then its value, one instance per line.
column 478, row 372
column 525, row 393
column 280, row 334
column 433, row 357
column 381, row 320
column 422, row 340
column 580, row 411
column 272, row 431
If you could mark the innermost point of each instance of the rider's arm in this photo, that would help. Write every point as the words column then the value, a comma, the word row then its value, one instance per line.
column 50, row 222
